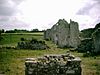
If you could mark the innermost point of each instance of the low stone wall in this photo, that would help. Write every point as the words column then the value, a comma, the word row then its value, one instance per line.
column 64, row 64
column 32, row 44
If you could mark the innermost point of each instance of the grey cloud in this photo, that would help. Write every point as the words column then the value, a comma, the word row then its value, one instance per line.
column 2, row 1
column 85, row 10
column 91, row 5
column 17, row 1
column 6, row 11
column 92, row 10
column 98, row 1
column 14, row 25
column 9, row 7
column 3, row 19
column 7, row 1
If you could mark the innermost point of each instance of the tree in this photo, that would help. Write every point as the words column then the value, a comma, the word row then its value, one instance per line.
column 2, row 30
column 97, row 26
column 34, row 30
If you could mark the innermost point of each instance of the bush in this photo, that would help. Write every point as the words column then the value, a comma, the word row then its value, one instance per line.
column 34, row 40
column 86, row 45
column 47, row 39
column 87, row 33
column 22, row 39
column 42, row 42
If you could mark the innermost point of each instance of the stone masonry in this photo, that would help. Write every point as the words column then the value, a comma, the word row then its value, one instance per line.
column 64, row 34
column 64, row 64
column 74, row 34
column 96, row 39
column 47, row 34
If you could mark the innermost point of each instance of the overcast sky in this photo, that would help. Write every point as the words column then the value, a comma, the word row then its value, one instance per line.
column 43, row 14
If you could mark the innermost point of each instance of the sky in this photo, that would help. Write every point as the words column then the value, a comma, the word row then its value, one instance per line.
column 43, row 14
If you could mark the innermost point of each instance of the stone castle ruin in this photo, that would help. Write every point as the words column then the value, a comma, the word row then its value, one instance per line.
column 64, row 34
column 64, row 64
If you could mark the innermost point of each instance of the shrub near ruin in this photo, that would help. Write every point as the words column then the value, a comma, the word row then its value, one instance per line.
column 86, row 45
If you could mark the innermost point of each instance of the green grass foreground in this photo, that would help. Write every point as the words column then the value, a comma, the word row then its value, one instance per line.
column 12, row 62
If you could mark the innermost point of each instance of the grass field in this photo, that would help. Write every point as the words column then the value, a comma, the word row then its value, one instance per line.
column 13, row 38
column 12, row 61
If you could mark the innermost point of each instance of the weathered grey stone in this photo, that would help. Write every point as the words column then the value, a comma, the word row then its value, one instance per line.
column 64, row 34
column 47, row 34
column 54, row 36
column 30, row 59
column 52, row 66
column 96, row 39
column 74, row 34
column 32, row 44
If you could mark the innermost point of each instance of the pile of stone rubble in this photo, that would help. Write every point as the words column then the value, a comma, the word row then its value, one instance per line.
column 32, row 44
column 64, row 64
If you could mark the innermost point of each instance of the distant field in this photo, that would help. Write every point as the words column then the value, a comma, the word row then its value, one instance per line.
column 37, row 33
column 12, row 61
column 14, row 38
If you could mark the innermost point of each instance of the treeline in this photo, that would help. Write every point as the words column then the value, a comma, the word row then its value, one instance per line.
column 19, row 31
column 87, row 33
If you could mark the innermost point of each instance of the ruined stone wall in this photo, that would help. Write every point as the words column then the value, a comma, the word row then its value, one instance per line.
column 32, row 44
column 53, row 33
column 47, row 34
column 96, row 39
column 74, row 34
column 64, row 34
column 64, row 64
